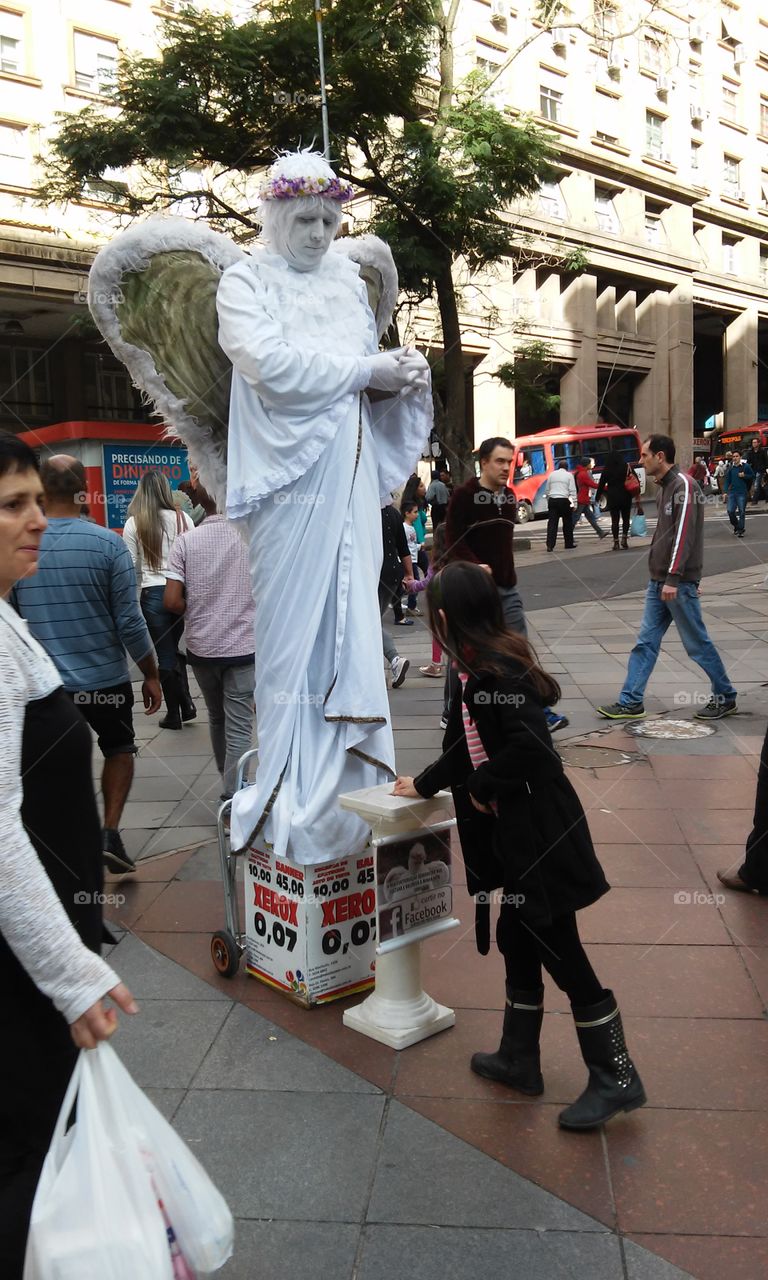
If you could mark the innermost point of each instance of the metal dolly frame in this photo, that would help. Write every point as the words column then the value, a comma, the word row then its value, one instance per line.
column 228, row 945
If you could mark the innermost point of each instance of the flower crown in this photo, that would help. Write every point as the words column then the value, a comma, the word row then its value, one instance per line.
column 304, row 173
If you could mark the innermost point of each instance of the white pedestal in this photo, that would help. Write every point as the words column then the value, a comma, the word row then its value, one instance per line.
column 399, row 1013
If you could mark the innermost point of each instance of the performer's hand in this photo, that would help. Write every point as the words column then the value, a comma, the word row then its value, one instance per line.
column 389, row 372
column 404, row 787
column 481, row 808
column 668, row 593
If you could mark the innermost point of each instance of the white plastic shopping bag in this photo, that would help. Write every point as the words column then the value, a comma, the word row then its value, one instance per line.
column 97, row 1212
column 95, row 1215
column 198, row 1213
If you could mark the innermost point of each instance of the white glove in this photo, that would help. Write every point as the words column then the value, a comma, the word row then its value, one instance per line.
column 392, row 372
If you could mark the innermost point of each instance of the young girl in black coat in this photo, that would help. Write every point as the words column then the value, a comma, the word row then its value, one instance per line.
column 499, row 761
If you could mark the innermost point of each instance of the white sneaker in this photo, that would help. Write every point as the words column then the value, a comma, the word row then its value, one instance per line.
column 399, row 671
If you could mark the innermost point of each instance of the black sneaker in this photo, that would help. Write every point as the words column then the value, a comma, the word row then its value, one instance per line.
column 620, row 711
column 716, row 708
column 115, row 857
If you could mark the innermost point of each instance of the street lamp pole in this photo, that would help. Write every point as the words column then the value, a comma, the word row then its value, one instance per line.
column 323, row 96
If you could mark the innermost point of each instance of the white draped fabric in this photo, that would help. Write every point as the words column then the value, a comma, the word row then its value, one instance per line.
column 309, row 465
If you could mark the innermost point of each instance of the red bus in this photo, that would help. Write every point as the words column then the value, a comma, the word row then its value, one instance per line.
column 537, row 456
column 737, row 438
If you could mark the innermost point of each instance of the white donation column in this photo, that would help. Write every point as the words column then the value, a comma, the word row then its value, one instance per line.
column 414, row 900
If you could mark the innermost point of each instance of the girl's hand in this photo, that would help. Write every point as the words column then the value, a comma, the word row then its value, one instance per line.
column 405, row 787
column 481, row 808
column 99, row 1023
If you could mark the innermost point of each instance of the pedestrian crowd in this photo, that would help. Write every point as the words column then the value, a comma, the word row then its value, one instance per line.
column 77, row 601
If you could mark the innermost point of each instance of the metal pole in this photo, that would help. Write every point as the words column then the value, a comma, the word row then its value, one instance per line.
column 323, row 97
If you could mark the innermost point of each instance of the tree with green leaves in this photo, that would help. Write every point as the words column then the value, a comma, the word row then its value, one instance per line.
column 219, row 97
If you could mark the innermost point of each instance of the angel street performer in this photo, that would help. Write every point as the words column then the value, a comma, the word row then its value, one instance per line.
column 310, row 463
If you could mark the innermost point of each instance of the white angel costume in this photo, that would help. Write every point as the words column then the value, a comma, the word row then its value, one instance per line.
column 310, row 461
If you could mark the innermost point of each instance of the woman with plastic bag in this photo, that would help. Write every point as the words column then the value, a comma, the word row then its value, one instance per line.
column 52, row 979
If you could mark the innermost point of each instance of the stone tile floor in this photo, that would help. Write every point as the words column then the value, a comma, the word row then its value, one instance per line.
column 342, row 1158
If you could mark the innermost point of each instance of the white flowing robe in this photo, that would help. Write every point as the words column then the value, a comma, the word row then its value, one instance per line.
column 310, row 464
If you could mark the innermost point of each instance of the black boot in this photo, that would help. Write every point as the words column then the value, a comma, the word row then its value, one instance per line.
column 517, row 1062
column 172, row 693
column 188, row 708
column 614, row 1084
column 624, row 543
column 615, row 546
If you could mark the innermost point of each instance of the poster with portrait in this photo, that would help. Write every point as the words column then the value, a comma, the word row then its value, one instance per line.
column 414, row 894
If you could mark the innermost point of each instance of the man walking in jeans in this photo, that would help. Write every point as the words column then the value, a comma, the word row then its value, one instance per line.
column 208, row 581
column 675, row 562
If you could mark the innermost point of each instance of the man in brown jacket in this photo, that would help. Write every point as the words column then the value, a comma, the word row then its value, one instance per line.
column 675, row 561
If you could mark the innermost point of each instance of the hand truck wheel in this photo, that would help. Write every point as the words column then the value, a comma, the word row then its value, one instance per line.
column 225, row 953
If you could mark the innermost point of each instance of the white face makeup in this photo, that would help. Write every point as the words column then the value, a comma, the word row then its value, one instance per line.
column 309, row 238
column 300, row 230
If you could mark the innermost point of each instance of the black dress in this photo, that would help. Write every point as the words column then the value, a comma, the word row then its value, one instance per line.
column 61, row 819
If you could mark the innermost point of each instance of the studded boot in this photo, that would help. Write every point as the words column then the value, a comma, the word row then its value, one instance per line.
column 517, row 1062
column 614, row 1084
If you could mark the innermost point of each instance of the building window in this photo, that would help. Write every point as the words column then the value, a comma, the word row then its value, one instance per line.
column 14, row 155
column 729, row 255
column 11, row 43
column 764, row 117
column 730, row 101
column 95, row 62
column 695, row 149
column 654, row 134
column 764, row 263
column 605, row 213
column 551, row 202
column 651, row 54
column 109, row 392
column 731, row 168
column 550, row 103
column 654, row 230
column 25, row 390
column 607, row 118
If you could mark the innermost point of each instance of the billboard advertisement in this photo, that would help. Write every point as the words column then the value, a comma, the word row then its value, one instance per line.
column 124, row 465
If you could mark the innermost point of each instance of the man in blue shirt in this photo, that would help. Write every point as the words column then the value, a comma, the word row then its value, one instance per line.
column 82, row 606
column 736, row 485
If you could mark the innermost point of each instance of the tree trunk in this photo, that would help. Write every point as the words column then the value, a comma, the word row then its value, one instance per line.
column 456, row 443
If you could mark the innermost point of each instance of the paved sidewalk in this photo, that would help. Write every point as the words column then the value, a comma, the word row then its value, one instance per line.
column 342, row 1158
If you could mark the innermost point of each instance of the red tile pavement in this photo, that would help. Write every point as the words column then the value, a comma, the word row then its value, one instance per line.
column 711, row 1258
column 685, row 1177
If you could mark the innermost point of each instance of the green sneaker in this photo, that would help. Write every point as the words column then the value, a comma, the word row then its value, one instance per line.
column 622, row 711
column 716, row 708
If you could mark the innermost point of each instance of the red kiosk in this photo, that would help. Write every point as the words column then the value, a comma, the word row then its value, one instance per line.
column 115, row 456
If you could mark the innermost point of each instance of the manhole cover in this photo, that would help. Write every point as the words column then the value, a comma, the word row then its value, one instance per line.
column 582, row 756
column 668, row 729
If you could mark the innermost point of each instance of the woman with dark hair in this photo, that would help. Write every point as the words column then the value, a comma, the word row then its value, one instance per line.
column 151, row 529
column 52, row 979
column 616, row 471
column 499, row 761
column 415, row 491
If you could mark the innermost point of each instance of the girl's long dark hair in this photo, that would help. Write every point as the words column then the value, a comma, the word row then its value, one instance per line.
column 474, row 633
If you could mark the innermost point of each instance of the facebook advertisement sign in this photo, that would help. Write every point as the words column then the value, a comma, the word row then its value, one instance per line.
column 124, row 465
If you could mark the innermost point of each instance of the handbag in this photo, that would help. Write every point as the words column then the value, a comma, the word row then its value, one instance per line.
column 631, row 483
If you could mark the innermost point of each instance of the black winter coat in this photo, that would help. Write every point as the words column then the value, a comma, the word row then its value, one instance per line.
column 612, row 477
column 539, row 845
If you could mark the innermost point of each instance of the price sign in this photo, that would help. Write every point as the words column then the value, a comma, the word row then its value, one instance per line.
column 311, row 930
